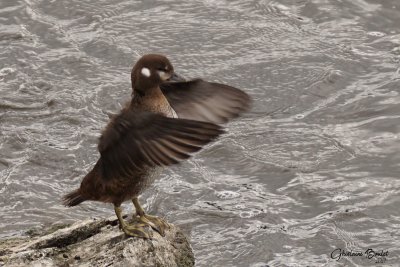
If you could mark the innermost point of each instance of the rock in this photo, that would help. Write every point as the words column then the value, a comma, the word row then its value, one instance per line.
column 97, row 243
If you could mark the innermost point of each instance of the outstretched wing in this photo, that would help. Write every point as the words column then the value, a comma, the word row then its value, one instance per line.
column 134, row 140
column 205, row 101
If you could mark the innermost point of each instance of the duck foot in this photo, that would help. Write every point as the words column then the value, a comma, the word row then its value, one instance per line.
column 154, row 222
column 136, row 229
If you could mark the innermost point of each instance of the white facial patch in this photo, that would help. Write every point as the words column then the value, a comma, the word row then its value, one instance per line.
column 145, row 72
column 163, row 75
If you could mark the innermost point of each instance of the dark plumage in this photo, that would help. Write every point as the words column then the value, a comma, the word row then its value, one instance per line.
column 162, row 125
column 205, row 101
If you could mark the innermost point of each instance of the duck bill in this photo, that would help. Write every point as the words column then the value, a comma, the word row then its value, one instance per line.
column 176, row 78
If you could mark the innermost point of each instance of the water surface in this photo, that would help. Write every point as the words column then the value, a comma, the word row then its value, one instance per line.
column 314, row 166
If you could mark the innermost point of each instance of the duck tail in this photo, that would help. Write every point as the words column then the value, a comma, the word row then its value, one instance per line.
column 74, row 198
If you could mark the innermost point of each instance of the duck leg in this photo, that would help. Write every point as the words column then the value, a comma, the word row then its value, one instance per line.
column 137, row 229
column 156, row 223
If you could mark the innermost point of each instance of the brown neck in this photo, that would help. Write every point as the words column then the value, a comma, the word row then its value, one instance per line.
column 153, row 100
column 148, row 93
column 143, row 86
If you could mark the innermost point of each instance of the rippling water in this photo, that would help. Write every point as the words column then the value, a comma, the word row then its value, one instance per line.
column 313, row 167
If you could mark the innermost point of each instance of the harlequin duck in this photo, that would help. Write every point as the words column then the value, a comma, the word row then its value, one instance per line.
column 166, row 121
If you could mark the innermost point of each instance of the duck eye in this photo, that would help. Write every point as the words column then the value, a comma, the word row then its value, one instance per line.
column 162, row 69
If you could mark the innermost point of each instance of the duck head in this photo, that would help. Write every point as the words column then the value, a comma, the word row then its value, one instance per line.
column 150, row 71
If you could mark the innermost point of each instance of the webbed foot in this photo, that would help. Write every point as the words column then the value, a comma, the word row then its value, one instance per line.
column 154, row 222
column 136, row 229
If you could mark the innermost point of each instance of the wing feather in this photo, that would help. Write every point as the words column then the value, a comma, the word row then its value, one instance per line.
column 205, row 101
column 135, row 140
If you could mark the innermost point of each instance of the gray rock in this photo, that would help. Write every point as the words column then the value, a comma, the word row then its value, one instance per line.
column 97, row 243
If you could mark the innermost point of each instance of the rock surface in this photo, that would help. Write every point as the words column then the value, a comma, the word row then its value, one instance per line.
column 97, row 243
